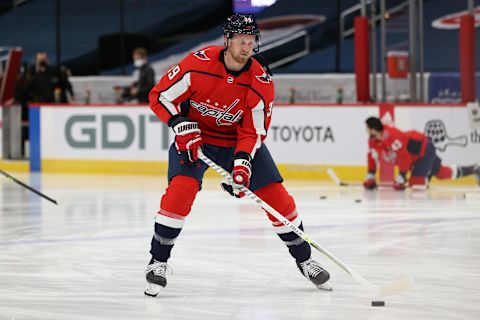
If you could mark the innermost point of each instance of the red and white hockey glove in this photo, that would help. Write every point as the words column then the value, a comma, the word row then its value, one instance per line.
column 187, row 136
column 370, row 183
column 400, row 182
column 241, row 173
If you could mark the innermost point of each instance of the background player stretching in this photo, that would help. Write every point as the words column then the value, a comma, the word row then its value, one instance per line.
column 409, row 151
column 221, row 99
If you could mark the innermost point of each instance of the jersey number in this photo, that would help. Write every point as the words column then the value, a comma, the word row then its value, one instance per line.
column 396, row 145
column 270, row 109
column 173, row 72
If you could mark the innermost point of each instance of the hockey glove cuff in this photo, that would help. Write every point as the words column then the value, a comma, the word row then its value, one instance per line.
column 241, row 173
column 187, row 136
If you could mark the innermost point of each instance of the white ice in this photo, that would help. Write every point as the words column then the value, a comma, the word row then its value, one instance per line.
column 84, row 259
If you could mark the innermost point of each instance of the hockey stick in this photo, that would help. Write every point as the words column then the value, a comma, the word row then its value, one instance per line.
column 28, row 187
column 331, row 173
column 392, row 288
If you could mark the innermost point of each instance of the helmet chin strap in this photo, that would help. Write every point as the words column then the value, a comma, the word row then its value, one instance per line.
column 226, row 41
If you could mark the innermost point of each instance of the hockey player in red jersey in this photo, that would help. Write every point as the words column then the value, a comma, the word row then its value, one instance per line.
column 409, row 151
column 220, row 99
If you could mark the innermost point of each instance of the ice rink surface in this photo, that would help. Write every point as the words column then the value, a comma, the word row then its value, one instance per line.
column 84, row 259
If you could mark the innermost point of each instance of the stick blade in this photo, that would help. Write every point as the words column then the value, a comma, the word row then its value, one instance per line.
column 396, row 287
column 334, row 176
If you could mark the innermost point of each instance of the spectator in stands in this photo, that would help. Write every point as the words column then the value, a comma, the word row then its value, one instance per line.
column 140, row 89
column 43, row 83
column 410, row 151
column 40, row 83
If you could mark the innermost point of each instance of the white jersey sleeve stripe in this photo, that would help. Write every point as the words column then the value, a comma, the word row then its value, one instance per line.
column 257, row 146
column 173, row 92
column 258, row 116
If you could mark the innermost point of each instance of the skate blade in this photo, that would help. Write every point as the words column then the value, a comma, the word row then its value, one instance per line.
column 325, row 287
column 152, row 289
column 419, row 187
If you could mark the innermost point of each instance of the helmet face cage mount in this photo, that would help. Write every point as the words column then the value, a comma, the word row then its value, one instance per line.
column 241, row 23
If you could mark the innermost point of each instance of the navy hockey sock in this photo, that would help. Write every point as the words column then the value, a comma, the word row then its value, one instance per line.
column 163, row 241
column 465, row 171
column 298, row 248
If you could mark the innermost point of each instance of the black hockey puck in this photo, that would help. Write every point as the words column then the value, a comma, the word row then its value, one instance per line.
column 378, row 303
column 323, row 197
column 358, row 200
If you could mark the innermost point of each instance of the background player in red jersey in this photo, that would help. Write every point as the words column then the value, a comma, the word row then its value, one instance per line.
column 221, row 99
column 409, row 151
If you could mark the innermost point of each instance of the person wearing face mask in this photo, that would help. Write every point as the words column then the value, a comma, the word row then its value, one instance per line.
column 40, row 83
column 146, row 77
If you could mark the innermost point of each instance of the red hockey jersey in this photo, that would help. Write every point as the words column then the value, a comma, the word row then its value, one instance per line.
column 397, row 147
column 231, row 108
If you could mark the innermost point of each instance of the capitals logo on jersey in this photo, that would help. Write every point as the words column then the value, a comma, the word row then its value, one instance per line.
column 222, row 115
column 264, row 78
column 201, row 55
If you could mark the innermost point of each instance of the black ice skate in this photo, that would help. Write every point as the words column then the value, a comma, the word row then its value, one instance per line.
column 156, row 274
column 314, row 272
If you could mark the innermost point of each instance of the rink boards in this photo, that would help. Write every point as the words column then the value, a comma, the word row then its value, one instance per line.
column 304, row 139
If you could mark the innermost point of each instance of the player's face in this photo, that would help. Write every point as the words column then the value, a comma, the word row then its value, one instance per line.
column 374, row 134
column 240, row 47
